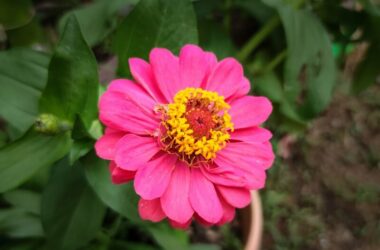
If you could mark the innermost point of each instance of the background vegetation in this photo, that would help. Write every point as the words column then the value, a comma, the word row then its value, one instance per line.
column 317, row 60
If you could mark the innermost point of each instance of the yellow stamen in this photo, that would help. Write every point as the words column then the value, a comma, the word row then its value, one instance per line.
column 190, row 139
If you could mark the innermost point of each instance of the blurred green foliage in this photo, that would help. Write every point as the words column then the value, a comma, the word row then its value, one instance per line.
column 57, row 195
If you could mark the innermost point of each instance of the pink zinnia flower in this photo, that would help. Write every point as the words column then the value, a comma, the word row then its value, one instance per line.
column 188, row 135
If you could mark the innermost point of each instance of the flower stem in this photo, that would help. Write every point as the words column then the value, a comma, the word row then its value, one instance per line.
column 227, row 16
column 255, row 40
column 115, row 226
column 276, row 61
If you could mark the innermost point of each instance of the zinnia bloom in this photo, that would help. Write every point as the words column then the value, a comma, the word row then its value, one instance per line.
column 186, row 132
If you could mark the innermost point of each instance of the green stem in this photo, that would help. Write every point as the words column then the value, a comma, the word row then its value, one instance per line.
column 227, row 16
column 115, row 226
column 255, row 40
column 276, row 61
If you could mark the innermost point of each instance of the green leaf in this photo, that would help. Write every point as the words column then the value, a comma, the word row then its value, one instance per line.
column 310, row 67
column 200, row 246
column 372, row 6
column 24, row 199
column 17, row 223
column 167, row 237
column 3, row 138
column 368, row 69
column 154, row 23
column 97, row 19
column 121, row 198
column 129, row 245
column 29, row 244
column 214, row 38
column 256, row 8
column 15, row 13
column 24, row 157
column 71, row 212
column 269, row 85
column 72, row 87
column 95, row 131
column 23, row 75
column 79, row 149
column 31, row 34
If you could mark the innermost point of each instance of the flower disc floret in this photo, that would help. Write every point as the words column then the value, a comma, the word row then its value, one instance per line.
column 197, row 125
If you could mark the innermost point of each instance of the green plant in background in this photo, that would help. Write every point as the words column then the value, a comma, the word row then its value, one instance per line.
column 56, row 194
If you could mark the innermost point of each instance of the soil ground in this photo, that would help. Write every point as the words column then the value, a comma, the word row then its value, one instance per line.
column 324, row 191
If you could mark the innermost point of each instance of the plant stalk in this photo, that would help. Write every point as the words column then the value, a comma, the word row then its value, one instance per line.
column 256, row 40
column 276, row 61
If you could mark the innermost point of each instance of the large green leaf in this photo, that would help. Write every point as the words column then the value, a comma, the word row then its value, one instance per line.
column 27, row 200
column 310, row 67
column 18, row 223
column 120, row 198
column 72, row 87
column 123, row 199
column 372, row 6
column 256, row 8
column 167, row 237
column 214, row 38
column 155, row 23
column 122, row 245
column 22, row 220
column 71, row 212
column 28, row 244
column 269, row 85
column 29, row 35
column 22, row 158
column 96, row 19
column 23, row 74
column 201, row 246
column 368, row 70
column 15, row 13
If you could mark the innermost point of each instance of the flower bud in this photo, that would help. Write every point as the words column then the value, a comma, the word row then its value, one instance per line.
column 51, row 125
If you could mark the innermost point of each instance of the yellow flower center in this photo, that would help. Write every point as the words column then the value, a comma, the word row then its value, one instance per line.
column 196, row 125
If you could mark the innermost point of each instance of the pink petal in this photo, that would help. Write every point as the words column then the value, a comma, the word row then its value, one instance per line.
column 193, row 65
column 124, row 106
column 243, row 90
column 202, row 221
column 175, row 201
column 252, row 134
column 211, row 61
column 248, row 160
column 223, row 176
column 203, row 197
column 250, row 111
column 132, row 91
column 253, row 179
column 166, row 71
column 228, row 213
column 119, row 175
column 105, row 146
column 142, row 72
column 226, row 78
column 133, row 151
column 152, row 180
column 248, row 155
column 180, row 225
column 151, row 210
column 237, row 197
